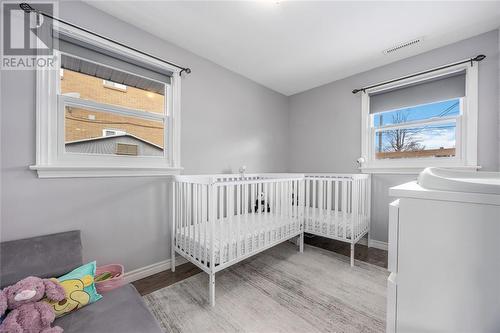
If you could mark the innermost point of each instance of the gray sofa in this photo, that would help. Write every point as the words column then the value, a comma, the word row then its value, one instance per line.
column 120, row 310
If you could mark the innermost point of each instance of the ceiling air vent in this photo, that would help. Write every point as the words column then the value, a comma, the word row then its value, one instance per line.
column 403, row 45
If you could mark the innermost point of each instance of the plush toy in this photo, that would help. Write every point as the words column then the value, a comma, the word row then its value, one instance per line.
column 28, row 312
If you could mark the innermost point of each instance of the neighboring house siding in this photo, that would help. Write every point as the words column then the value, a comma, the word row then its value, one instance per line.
column 80, row 127
column 85, row 124
column 108, row 146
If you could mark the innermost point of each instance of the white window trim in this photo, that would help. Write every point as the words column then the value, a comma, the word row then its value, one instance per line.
column 49, row 160
column 466, row 137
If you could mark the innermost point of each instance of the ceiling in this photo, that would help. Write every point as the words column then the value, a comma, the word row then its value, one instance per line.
column 293, row 46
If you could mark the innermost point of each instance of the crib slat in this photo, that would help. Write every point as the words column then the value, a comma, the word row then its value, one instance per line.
column 308, row 203
column 314, row 211
column 260, row 197
column 336, row 218
column 297, row 206
column 206, row 220
column 220, row 223
column 175, row 198
column 344, row 207
column 238, row 218
column 181, row 216
column 230, row 213
column 200, row 220
column 354, row 223
column 200, row 217
column 264, row 226
column 190, row 218
column 275, row 210
column 195, row 220
column 212, row 204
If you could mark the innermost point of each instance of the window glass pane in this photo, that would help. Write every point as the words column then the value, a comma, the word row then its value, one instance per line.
column 425, row 141
column 96, row 132
column 421, row 112
column 109, row 86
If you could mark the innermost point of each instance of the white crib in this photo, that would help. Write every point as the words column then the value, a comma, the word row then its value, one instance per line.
column 219, row 220
column 337, row 206
column 222, row 219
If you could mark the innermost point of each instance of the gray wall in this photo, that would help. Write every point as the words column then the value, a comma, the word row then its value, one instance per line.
column 324, row 124
column 227, row 121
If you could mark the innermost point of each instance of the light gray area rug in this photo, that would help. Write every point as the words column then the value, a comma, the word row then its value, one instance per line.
column 279, row 290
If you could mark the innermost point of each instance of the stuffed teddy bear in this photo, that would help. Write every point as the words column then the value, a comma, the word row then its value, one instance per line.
column 28, row 312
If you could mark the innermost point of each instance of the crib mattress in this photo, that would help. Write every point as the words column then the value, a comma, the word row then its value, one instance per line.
column 237, row 236
column 329, row 223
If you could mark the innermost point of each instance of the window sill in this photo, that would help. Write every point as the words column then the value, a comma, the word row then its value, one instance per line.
column 53, row 171
column 410, row 170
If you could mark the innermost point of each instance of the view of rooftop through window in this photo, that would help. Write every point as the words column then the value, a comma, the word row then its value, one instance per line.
column 421, row 131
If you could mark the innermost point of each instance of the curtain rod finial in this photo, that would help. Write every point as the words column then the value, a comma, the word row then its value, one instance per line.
column 355, row 91
column 479, row 57
column 26, row 7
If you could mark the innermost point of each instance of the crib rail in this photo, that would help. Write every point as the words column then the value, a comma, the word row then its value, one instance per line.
column 220, row 178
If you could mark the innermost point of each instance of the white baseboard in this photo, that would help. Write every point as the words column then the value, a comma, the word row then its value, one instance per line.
column 374, row 243
column 142, row 272
column 379, row 244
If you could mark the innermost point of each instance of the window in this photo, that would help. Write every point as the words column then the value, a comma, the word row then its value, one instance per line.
column 427, row 130
column 106, row 111
column 114, row 85
column 424, row 121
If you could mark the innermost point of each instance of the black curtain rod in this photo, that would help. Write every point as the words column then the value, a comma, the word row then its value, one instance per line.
column 471, row 60
column 28, row 9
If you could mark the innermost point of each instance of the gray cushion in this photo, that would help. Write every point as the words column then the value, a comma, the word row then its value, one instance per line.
column 121, row 310
column 43, row 256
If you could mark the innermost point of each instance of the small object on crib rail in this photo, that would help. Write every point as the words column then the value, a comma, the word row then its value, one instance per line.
column 242, row 170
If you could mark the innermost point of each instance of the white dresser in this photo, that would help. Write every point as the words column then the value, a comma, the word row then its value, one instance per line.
column 444, row 255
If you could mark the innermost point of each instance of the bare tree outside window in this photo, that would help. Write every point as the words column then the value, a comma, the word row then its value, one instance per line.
column 403, row 139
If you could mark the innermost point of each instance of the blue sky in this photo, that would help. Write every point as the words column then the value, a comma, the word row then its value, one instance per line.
column 451, row 107
column 432, row 137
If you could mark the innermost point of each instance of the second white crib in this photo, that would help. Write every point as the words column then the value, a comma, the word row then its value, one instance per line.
column 337, row 206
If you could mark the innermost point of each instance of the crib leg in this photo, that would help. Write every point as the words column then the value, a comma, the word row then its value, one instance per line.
column 172, row 261
column 211, row 289
column 352, row 254
column 301, row 242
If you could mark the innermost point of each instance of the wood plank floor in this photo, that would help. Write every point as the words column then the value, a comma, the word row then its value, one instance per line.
column 163, row 279
column 361, row 252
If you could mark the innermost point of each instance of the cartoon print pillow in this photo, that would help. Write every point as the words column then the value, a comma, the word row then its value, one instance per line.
column 80, row 290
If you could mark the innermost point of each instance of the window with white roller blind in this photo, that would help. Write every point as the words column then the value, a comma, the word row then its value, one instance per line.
column 101, row 98
column 428, row 120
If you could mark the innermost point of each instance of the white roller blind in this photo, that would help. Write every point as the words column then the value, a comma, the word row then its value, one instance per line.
column 434, row 90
